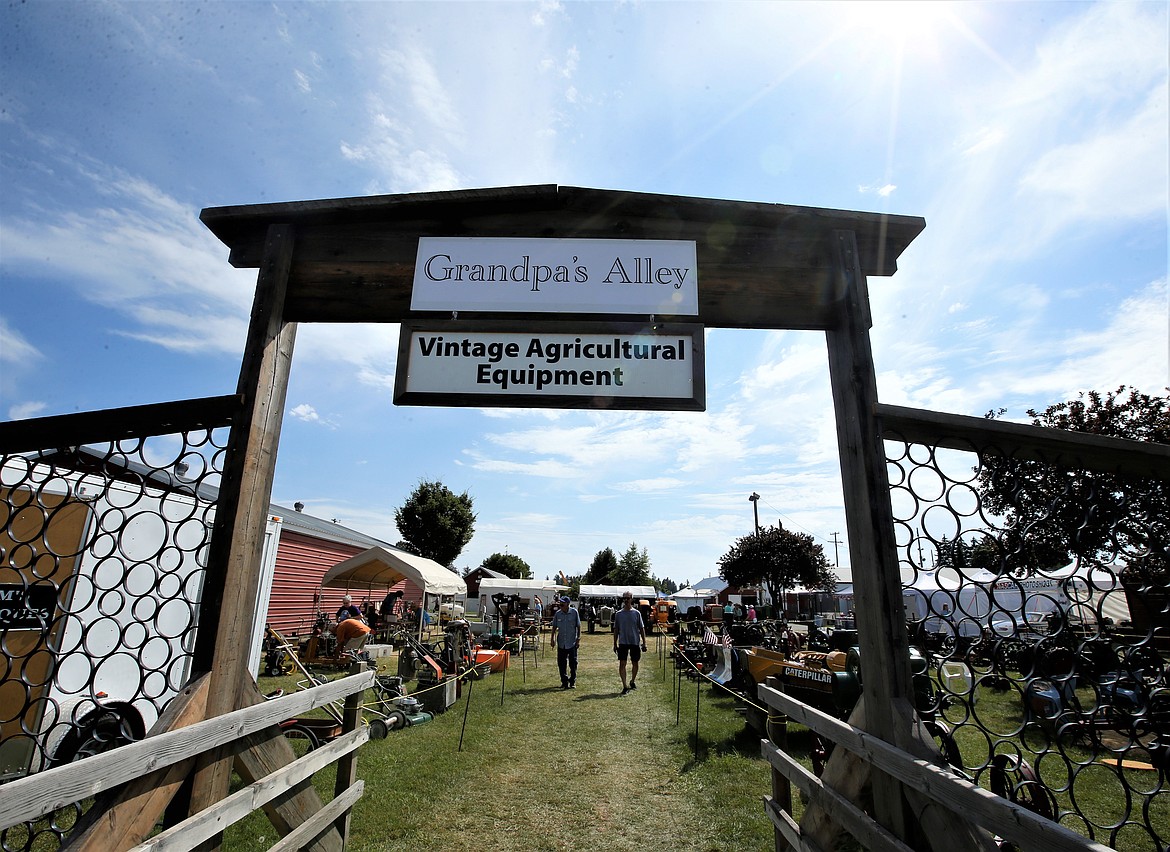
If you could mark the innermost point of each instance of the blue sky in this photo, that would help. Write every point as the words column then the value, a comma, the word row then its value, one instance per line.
column 1032, row 137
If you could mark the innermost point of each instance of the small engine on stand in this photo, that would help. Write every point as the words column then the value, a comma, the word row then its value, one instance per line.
column 508, row 614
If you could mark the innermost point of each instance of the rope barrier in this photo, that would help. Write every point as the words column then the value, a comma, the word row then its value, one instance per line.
column 704, row 675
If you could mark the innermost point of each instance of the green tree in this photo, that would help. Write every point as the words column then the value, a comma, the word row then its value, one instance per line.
column 603, row 567
column 665, row 585
column 983, row 550
column 574, row 583
column 633, row 568
column 508, row 564
column 779, row 559
column 435, row 522
column 1052, row 512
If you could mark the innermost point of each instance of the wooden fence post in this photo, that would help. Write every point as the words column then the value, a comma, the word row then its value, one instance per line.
column 347, row 765
column 869, row 519
column 781, row 786
column 233, row 579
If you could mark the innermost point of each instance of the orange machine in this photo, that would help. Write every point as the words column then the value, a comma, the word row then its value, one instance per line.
column 664, row 616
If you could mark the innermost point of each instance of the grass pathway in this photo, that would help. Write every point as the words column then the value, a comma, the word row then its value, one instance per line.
column 553, row 769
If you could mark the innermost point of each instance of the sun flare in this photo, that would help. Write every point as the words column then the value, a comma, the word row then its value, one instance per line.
column 901, row 21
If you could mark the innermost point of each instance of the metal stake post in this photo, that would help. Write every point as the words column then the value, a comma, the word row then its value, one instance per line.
column 466, row 707
column 698, row 685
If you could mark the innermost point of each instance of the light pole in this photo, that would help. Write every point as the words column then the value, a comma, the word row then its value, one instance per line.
column 754, row 498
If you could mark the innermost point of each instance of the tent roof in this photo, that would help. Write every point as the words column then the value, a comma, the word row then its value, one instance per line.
column 710, row 586
column 601, row 591
column 691, row 592
column 513, row 583
column 381, row 567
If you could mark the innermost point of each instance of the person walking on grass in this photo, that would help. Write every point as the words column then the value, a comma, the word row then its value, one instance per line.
column 566, row 636
column 629, row 640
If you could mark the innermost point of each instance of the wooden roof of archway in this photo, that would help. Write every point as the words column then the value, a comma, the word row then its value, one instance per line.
column 760, row 265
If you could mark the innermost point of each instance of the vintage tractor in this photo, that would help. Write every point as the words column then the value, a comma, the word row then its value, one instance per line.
column 664, row 617
column 831, row 681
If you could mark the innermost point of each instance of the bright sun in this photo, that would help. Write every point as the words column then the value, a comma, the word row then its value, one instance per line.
column 900, row 21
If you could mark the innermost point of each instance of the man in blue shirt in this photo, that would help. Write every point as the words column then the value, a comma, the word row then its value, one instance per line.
column 348, row 610
column 566, row 636
column 629, row 640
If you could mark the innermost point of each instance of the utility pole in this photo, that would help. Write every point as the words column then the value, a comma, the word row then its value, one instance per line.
column 754, row 498
column 836, row 541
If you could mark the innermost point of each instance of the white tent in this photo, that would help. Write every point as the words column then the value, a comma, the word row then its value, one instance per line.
column 687, row 598
column 506, row 584
column 379, row 567
column 602, row 591
column 526, row 589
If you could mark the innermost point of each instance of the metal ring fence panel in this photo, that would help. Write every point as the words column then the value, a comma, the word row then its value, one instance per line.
column 104, row 551
column 1038, row 591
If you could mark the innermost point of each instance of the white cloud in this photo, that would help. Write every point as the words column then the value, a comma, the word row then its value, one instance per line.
column 544, row 10
column 304, row 412
column 656, row 485
column 981, row 140
column 25, row 410
column 402, row 160
column 1132, row 347
column 308, row 414
column 531, row 520
column 369, row 349
column 145, row 256
column 409, row 140
column 15, row 349
column 1116, row 173
column 1029, row 364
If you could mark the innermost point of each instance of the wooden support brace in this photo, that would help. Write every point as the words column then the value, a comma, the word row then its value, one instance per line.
column 231, row 588
column 849, row 777
column 131, row 812
column 266, row 752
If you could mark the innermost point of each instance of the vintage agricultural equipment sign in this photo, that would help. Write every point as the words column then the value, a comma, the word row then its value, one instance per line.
column 612, row 365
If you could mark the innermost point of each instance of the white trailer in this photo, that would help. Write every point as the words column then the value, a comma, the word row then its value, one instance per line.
column 100, row 585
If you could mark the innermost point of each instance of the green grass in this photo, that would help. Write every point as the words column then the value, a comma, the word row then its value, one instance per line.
column 1065, row 766
column 546, row 769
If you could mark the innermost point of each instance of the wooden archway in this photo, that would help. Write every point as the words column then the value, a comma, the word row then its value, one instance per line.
column 766, row 266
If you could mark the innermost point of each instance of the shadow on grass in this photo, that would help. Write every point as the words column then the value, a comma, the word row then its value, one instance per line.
column 533, row 690
column 594, row 696
column 745, row 742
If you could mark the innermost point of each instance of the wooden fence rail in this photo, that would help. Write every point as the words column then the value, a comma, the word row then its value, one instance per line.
column 957, row 795
column 31, row 798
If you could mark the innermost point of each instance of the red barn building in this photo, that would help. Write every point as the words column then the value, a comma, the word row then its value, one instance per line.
column 307, row 548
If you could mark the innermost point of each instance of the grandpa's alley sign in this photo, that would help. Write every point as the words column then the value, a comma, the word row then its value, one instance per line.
column 648, row 277
column 610, row 365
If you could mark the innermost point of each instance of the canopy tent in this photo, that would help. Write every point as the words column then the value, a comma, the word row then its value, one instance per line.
column 687, row 598
column 527, row 589
column 513, row 584
column 599, row 591
column 383, row 568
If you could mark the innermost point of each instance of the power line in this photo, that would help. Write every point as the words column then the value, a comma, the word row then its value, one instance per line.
column 835, row 541
column 795, row 524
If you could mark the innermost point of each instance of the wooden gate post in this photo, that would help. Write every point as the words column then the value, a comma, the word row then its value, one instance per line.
column 885, row 662
column 233, row 578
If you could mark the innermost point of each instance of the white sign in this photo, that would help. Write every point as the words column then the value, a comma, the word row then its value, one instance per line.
column 623, row 366
column 648, row 277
